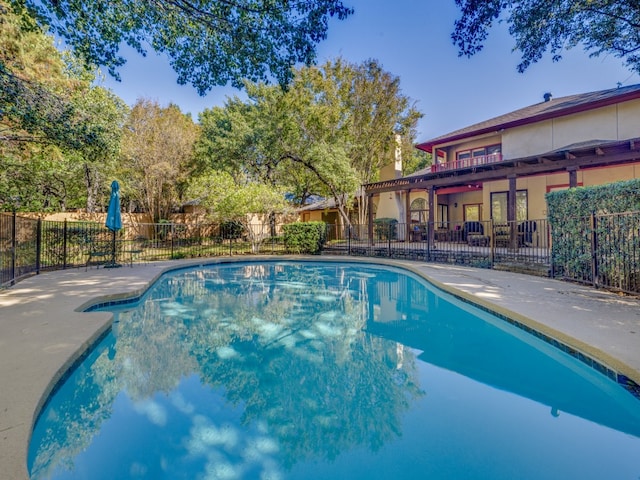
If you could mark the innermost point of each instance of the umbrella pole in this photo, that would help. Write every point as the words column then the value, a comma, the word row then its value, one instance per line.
column 113, row 263
column 113, row 247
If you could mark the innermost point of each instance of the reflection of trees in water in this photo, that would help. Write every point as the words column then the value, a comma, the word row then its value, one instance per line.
column 285, row 344
column 76, row 414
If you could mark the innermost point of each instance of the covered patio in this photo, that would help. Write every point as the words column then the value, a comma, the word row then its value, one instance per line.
column 443, row 179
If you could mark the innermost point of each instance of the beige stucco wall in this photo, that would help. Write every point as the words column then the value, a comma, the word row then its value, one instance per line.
column 528, row 140
column 629, row 119
column 614, row 122
column 387, row 207
column 389, row 172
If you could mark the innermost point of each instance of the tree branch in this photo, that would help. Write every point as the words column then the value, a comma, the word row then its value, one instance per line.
column 614, row 16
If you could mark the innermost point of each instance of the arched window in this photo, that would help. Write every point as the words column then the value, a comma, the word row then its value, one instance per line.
column 419, row 211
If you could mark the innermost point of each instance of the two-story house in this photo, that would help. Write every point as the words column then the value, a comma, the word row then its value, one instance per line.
column 500, row 169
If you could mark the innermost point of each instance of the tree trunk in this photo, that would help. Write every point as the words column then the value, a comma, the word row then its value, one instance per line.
column 92, row 184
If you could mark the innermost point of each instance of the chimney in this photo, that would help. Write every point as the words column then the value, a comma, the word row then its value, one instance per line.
column 547, row 97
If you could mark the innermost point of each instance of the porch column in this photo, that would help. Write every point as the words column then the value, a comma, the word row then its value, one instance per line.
column 511, row 212
column 430, row 228
column 370, row 217
column 573, row 177
column 407, row 215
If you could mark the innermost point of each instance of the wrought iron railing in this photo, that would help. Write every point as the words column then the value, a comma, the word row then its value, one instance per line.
column 466, row 163
column 522, row 246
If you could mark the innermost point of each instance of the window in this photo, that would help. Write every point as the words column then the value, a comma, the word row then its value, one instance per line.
column 494, row 149
column 443, row 215
column 473, row 212
column 500, row 203
column 479, row 152
column 419, row 210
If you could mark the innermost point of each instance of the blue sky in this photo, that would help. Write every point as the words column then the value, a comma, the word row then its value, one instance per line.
column 412, row 40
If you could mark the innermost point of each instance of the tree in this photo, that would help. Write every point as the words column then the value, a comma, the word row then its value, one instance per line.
column 601, row 26
column 251, row 204
column 157, row 149
column 329, row 132
column 208, row 42
column 418, row 160
column 57, row 130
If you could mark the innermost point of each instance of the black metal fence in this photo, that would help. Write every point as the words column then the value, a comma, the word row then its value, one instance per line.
column 517, row 246
column 604, row 251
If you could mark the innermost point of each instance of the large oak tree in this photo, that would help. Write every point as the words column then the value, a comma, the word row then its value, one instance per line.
column 327, row 134
column 59, row 134
column 600, row 26
column 208, row 42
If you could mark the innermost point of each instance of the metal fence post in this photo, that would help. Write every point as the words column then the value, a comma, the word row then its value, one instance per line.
column 38, row 244
column 349, row 240
column 492, row 244
column 14, row 244
column 64, row 245
column 593, row 223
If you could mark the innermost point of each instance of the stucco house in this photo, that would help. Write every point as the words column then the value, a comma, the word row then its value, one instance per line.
column 499, row 170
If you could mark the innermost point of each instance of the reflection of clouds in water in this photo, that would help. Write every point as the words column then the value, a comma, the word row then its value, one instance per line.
column 181, row 404
column 308, row 334
column 326, row 298
column 327, row 330
column 155, row 412
column 267, row 330
column 138, row 470
column 174, row 308
column 231, row 454
column 293, row 285
column 205, row 434
column 227, row 352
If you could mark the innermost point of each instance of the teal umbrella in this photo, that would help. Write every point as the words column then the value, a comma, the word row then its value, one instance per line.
column 114, row 220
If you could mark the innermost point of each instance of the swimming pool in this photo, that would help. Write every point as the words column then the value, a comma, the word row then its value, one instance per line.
column 288, row 370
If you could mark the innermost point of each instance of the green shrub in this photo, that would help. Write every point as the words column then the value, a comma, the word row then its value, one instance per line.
column 612, row 229
column 385, row 228
column 304, row 237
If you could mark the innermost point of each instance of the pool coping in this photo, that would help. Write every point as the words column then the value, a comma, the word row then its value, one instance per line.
column 95, row 324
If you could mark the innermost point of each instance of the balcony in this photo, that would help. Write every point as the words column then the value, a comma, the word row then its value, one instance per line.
column 467, row 163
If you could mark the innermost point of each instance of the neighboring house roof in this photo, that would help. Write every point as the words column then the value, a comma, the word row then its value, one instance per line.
column 546, row 110
column 320, row 203
column 324, row 204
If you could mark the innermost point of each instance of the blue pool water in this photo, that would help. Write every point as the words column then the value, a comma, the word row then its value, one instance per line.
column 285, row 370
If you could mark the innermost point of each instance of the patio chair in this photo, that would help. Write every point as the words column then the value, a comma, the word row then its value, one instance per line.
column 135, row 249
column 99, row 253
column 525, row 232
column 472, row 227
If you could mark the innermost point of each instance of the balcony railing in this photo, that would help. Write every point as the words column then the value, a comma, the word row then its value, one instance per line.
column 467, row 163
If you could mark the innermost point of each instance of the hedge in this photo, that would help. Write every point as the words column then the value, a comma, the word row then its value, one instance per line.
column 305, row 237
column 592, row 231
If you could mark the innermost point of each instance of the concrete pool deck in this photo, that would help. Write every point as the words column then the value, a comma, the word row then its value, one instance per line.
column 42, row 332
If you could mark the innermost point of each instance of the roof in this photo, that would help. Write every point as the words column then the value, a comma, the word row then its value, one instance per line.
column 324, row 204
column 540, row 111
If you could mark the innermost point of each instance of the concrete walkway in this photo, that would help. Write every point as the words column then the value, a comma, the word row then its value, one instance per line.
column 42, row 330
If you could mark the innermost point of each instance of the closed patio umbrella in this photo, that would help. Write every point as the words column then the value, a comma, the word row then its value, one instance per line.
column 114, row 220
